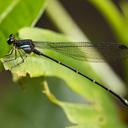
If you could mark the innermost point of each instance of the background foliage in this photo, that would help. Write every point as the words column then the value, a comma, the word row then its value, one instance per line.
column 26, row 100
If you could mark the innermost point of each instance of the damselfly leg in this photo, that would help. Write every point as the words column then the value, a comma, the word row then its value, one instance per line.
column 10, row 52
column 9, row 55
column 18, row 57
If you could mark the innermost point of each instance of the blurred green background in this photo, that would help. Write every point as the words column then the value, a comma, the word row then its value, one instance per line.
column 81, row 104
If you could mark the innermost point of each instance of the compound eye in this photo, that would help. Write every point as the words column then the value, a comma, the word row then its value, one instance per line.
column 11, row 35
column 11, row 39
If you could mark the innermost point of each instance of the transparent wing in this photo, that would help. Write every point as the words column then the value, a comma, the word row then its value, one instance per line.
column 87, row 51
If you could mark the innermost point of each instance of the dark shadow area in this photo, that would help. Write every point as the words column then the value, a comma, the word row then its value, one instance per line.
column 24, row 101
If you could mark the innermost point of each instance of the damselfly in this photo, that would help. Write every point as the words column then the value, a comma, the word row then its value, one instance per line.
column 80, row 51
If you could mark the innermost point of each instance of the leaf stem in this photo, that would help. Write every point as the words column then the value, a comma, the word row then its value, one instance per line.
column 64, row 22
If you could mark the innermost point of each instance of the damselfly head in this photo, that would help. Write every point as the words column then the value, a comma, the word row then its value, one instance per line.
column 11, row 39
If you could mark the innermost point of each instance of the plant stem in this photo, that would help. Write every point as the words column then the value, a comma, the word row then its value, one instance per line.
column 64, row 22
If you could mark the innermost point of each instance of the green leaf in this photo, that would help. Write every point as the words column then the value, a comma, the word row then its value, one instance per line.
column 15, row 14
column 24, row 106
column 89, row 116
column 97, row 105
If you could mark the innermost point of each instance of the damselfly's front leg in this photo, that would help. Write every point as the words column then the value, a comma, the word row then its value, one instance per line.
column 21, row 55
column 12, row 59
